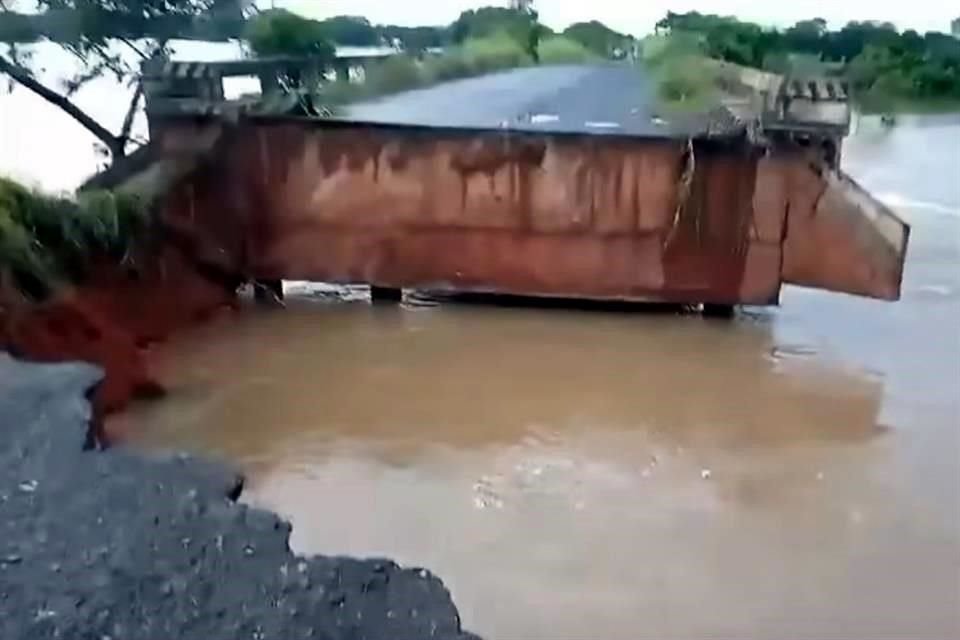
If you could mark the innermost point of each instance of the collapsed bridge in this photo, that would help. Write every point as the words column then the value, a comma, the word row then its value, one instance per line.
column 550, row 181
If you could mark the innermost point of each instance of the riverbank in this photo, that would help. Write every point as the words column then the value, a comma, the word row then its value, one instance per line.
column 871, row 105
column 98, row 278
column 113, row 544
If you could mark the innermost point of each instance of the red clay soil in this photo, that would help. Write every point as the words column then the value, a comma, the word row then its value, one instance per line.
column 110, row 320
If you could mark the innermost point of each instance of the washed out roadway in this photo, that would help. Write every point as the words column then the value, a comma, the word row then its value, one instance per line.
column 115, row 545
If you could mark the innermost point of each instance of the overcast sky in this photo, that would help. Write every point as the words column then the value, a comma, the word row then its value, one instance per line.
column 639, row 16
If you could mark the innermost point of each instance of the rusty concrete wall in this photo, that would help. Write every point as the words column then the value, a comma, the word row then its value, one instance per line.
column 585, row 217
column 839, row 237
column 534, row 215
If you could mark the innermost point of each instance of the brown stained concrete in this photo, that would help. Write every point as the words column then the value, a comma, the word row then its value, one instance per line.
column 571, row 216
column 839, row 238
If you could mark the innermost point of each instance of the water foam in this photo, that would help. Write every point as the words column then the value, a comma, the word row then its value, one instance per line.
column 900, row 201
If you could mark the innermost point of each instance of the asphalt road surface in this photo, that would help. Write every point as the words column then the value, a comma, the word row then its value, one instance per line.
column 115, row 545
column 612, row 99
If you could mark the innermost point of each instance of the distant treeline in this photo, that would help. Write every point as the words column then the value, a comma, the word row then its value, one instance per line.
column 523, row 26
column 225, row 19
column 101, row 19
column 884, row 64
column 487, row 21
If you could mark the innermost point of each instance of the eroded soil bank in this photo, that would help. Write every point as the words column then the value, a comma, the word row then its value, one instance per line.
column 101, row 545
column 112, row 319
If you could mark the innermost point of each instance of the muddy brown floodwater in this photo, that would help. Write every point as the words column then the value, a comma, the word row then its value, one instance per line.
column 571, row 474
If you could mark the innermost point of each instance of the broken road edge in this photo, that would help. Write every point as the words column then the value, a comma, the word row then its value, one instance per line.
column 117, row 543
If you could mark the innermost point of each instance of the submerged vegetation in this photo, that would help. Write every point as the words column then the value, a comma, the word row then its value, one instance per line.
column 47, row 240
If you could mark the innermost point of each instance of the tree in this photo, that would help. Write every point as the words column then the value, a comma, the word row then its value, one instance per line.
column 941, row 45
column 224, row 20
column 806, row 36
column 352, row 31
column 852, row 39
column 488, row 21
column 598, row 38
column 519, row 24
column 95, row 31
column 883, row 64
column 955, row 27
column 692, row 21
column 912, row 42
column 725, row 37
column 278, row 32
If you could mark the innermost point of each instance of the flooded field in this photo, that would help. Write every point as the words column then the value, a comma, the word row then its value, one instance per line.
column 573, row 474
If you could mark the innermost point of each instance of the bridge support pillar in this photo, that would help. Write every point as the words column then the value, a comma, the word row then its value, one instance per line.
column 268, row 291
column 385, row 294
column 342, row 69
column 718, row 310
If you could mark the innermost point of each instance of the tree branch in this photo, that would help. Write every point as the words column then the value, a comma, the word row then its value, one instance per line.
column 136, row 49
column 131, row 112
column 22, row 76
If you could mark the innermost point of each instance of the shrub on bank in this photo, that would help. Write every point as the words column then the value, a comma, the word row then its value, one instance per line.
column 684, row 78
column 686, row 83
column 340, row 92
column 46, row 240
column 392, row 75
column 476, row 57
column 452, row 65
column 395, row 74
column 561, row 50
column 495, row 53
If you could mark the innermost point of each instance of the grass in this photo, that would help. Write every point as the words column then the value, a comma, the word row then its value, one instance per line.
column 688, row 80
column 393, row 75
column 684, row 78
column 47, row 240
column 495, row 53
column 686, row 84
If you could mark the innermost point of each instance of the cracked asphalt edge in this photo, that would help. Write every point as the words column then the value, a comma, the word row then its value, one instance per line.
column 120, row 545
